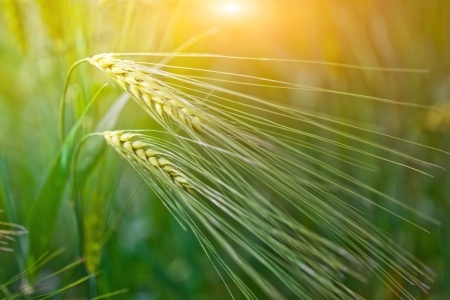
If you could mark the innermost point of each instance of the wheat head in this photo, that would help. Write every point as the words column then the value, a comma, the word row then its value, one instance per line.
column 147, row 90
column 144, row 155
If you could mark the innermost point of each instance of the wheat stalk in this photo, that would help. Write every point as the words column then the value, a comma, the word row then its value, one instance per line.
column 143, row 154
column 148, row 91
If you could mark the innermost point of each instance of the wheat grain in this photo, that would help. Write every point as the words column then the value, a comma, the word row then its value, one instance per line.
column 147, row 90
column 143, row 154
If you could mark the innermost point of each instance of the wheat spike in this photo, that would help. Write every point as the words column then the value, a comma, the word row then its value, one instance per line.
column 147, row 90
column 143, row 153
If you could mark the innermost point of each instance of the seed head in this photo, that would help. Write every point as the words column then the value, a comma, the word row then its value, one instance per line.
column 142, row 154
column 148, row 91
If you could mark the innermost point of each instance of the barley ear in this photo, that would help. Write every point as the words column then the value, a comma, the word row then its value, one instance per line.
column 143, row 154
column 94, row 231
column 148, row 91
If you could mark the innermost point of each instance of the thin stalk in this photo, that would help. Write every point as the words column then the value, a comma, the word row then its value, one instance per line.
column 62, row 107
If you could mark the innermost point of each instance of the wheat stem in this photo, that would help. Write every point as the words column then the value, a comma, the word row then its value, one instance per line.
column 62, row 107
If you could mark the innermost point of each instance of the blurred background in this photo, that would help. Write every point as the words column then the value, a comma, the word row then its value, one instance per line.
column 132, row 240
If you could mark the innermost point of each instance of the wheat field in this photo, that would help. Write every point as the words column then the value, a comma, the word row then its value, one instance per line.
column 193, row 149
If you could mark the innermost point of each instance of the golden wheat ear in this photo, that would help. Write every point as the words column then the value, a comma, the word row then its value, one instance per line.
column 142, row 153
column 148, row 91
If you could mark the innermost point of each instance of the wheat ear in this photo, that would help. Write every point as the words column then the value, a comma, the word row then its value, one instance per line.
column 143, row 154
column 148, row 91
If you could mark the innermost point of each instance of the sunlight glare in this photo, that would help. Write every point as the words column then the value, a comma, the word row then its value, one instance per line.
column 231, row 8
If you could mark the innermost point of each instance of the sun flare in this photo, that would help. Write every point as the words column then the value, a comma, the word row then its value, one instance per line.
column 231, row 8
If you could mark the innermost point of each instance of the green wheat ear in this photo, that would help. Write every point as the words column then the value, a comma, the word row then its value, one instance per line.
column 148, row 91
column 249, row 183
column 145, row 157
column 246, row 222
